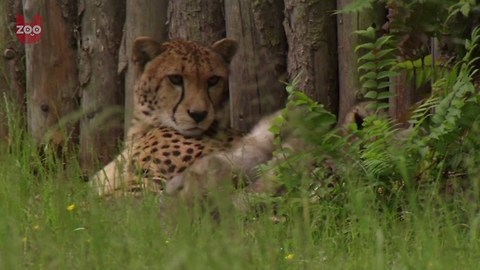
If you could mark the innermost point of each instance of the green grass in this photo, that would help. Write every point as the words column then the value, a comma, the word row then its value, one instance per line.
column 37, row 231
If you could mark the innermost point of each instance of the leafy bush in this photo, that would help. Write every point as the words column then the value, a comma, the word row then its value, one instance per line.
column 438, row 151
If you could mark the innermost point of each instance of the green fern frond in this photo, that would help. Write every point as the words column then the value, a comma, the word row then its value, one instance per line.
column 377, row 61
column 376, row 146
column 424, row 110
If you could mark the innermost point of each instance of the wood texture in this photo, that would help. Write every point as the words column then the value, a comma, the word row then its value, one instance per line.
column 51, row 72
column 196, row 20
column 101, row 86
column 258, row 69
column 144, row 18
column 12, row 83
column 310, row 27
column 349, row 85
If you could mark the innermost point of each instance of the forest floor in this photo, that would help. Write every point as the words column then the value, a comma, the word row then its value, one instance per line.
column 51, row 219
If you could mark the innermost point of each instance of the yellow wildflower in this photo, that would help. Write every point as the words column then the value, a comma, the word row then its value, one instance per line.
column 71, row 207
column 289, row 257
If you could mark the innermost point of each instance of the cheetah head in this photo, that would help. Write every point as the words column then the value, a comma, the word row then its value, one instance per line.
column 181, row 84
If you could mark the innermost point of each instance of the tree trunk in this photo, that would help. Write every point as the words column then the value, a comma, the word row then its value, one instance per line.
column 349, row 84
column 52, row 82
column 101, row 85
column 196, row 20
column 312, row 57
column 12, row 83
column 406, row 94
column 258, row 69
column 144, row 18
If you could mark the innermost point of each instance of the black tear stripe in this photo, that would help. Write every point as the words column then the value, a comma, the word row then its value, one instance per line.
column 178, row 103
column 208, row 95
column 208, row 87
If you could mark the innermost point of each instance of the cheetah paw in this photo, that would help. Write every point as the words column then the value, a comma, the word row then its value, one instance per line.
column 206, row 175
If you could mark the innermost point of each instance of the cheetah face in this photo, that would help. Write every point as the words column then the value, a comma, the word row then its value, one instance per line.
column 182, row 85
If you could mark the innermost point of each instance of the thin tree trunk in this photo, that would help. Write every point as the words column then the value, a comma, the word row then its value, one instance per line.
column 196, row 20
column 144, row 18
column 258, row 69
column 349, row 85
column 12, row 81
column 406, row 92
column 52, row 82
column 312, row 57
column 101, row 85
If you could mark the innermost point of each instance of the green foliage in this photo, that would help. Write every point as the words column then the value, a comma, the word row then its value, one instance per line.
column 421, row 70
column 451, row 115
column 316, row 121
column 438, row 149
column 463, row 7
column 376, row 156
column 375, row 65
column 406, row 41
column 429, row 16
column 306, row 119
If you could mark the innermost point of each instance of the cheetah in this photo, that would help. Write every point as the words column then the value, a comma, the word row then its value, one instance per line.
column 178, row 141
column 178, row 116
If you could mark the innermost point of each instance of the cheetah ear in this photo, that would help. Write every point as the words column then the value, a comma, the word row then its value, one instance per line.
column 226, row 48
column 144, row 49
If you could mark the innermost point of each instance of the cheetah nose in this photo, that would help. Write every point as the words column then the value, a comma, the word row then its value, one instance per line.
column 198, row 116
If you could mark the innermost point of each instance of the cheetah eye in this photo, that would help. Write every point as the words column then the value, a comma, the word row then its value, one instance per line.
column 212, row 81
column 176, row 79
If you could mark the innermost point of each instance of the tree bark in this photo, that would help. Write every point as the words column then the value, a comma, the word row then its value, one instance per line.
column 349, row 84
column 13, row 52
column 196, row 20
column 312, row 57
column 12, row 83
column 51, row 74
column 144, row 18
column 258, row 69
column 101, row 85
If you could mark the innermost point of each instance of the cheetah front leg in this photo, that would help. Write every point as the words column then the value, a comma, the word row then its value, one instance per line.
column 220, row 168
